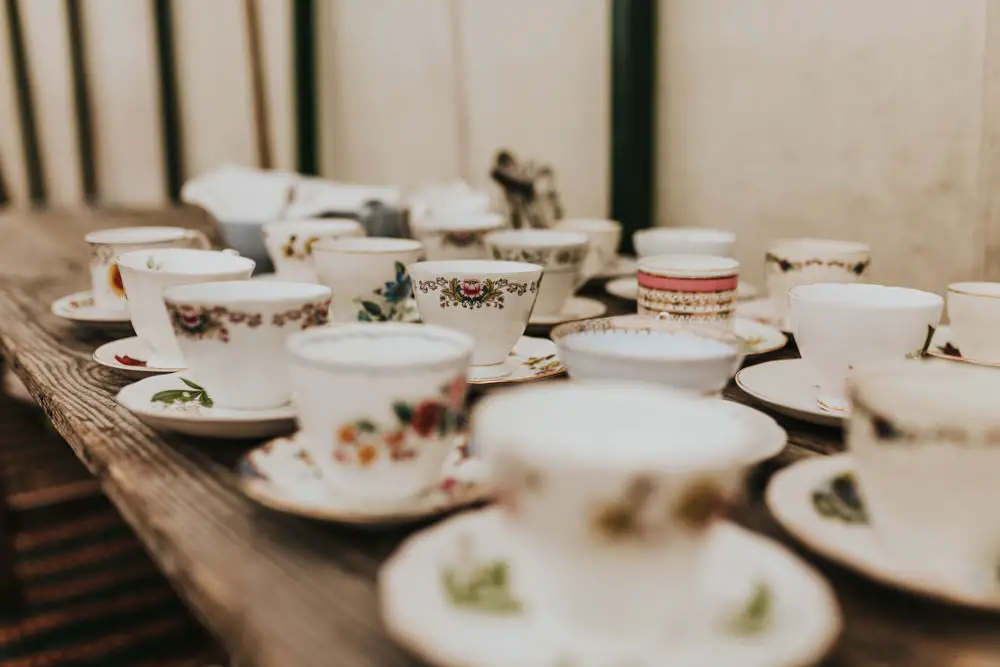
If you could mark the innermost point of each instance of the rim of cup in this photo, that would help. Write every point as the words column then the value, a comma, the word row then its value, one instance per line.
column 548, row 238
column 316, row 225
column 475, row 268
column 366, row 244
column 460, row 222
column 695, row 265
column 143, row 234
column 337, row 348
column 228, row 292
column 589, row 225
column 219, row 261
column 865, row 295
column 689, row 233
column 824, row 245
column 976, row 288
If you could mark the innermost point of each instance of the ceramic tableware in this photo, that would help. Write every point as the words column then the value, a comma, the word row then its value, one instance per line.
column 604, row 235
column 488, row 300
column 379, row 404
column 792, row 262
column 290, row 244
column 762, row 310
column 80, row 308
column 974, row 315
column 575, row 308
column 628, row 288
column 683, row 241
column 456, row 235
column 761, row 338
column 531, row 359
column 622, row 265
column 129, row 356
column 232, row 336
column 689, row 288
column 840, row 325
column 175, row 402
column 943, row 347
column 787, row 387
column 560, row 254
column 368, row 276
column 107, row 290
column 147, row 273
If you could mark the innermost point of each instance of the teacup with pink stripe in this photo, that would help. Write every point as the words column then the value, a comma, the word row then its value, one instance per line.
column 694, row 288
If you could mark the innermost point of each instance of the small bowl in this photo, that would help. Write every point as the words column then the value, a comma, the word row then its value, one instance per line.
column 690, row 357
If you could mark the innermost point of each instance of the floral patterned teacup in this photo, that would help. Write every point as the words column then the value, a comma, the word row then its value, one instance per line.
column 233, row 334
column 379, row 404
column 560, row 254
column 612, row 518
column 605, row 237
column 700, row 289
column 489, row 300
column 368, row 276
column 290, row 244
column 456, row 235
column 107, row 244
column 147, row 273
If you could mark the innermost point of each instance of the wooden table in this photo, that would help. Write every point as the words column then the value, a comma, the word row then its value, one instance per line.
column 283, row 592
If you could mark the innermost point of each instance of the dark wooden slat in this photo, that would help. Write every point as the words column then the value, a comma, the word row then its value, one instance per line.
column 170, row 114
column 304, row 75
column 25, row 104
column 82, row 100
column 258, row 85
column 4, row 188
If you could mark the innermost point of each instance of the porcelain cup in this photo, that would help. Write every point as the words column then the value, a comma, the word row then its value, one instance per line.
column 792, row 262
column 698, row 359
column 610, row 515
column 456, row 235
column 147, row 273
column 700, row 289
column 683, row 241
column 560, row 254
column 489, row 300
column 379, row 404
column 974, row 315
column 604, row 235
column 290, row 244
column 107, row 244
column 838, row 326
column 368, row 276
column 232, row 336
column 925, row 437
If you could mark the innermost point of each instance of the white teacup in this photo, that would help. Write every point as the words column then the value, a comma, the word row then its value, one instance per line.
column 490, row 301
column 560, row 254
column 610, row 515
column 147, row 273
column 792, row 262
column 925, row 437
column 605, row 236
column 974, row 315
column 683, row 241
column 698, row 289
column 456, row 235
column 399, row 392
column 290, row 244
column 107, row 244
column 232, row 336
column 368, row 276
column 838, row 326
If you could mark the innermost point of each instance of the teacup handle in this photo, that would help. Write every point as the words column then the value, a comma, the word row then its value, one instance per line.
column 199, row 239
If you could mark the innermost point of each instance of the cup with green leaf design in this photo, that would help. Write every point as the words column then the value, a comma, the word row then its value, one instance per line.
column 290, row 243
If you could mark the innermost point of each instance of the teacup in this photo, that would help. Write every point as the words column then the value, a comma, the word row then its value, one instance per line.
column 610, row 516
column 107, row 244
column 368, row 276
column 490, row 301
column 792, row 262
column 454, row 235
column 974, row 315
column 147, row 273
column 560, row 254
column 925, row 437
column 232, row 336
column 699, row 359
column 689, row 288
column 290, row 244
column 605, row 237
column 838, row 326
column 399, row 392
column 683, row 241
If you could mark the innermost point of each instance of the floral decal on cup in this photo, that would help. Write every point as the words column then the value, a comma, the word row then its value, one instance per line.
column 363, row 442
column 200, row 323
column 786, row 265
column 547, row 257
column 396, row 292
column 461, row 239
column 475, row 293
column 629, row 517
column 115, row 280
column 290, row 251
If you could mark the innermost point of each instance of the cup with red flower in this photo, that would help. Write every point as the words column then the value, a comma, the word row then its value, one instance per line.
column 456, row 234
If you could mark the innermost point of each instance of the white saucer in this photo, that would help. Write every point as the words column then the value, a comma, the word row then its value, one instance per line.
column 282, row 476
column 772, row 438
column 772, row 610
column 831, row 520
column 761, row 310
column 130, row 356
column 531, row 359
column 942, row 348
column 175, row 403
column 762, row 338
column 80, row 308
column 785, row 387
column 576, row 308
column 628, row 288
column 267, row 276
column 622, row 265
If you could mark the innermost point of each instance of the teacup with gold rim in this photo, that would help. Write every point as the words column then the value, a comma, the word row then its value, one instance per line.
column 700, row 289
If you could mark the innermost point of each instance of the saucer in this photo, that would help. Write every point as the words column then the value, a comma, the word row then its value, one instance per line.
column 628, row 289
column 785, row 387
column 761, row 310
column 942, row 348
column 130, row 356
column 175, row 403
column 817, row 502
column 761, row 338
column 772, row 438
column 622, row 265
column 80, row 308
column 531, row 359
column 576, row 308
column 281, row 475
column 449, row 595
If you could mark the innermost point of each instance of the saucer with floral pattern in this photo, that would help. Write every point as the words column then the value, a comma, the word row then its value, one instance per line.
column 942, row 347
column 129, row 356
column 81, row 309
column 531, row 359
